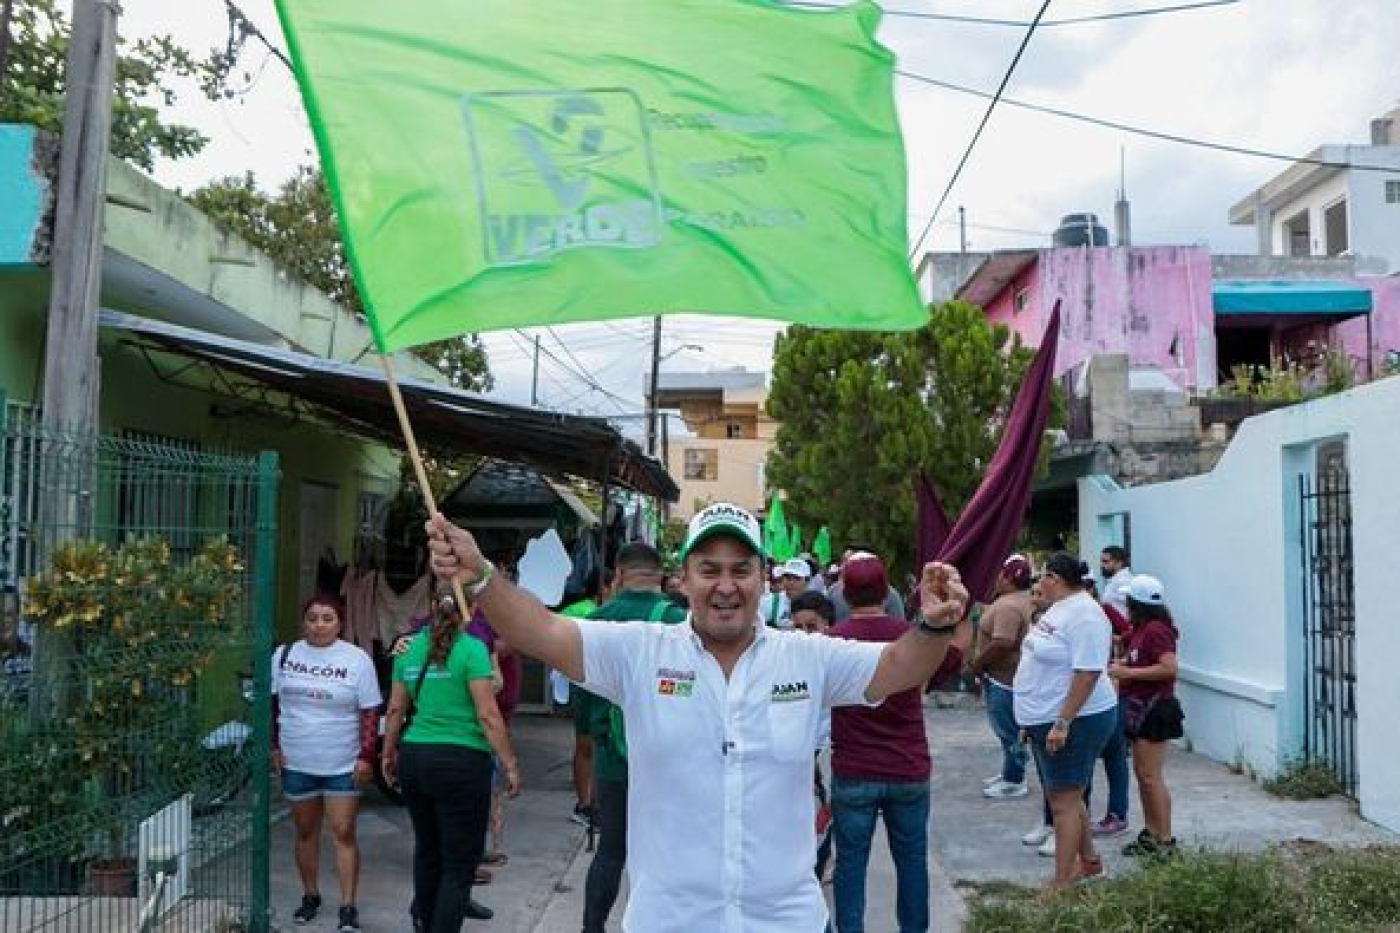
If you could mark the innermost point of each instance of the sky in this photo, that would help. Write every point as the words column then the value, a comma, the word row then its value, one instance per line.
column 1282, row 76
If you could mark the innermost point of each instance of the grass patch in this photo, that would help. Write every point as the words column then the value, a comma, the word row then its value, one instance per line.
column 1304, row 779
column 1303, row 889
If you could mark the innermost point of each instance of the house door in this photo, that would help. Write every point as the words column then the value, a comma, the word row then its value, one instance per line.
column 1329, row 614
column 318, row 528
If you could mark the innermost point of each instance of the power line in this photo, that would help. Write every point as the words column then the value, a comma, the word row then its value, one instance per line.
column 967, row 153
column 994, row 21
column 1143, row 131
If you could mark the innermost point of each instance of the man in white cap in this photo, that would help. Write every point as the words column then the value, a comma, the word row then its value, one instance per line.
column 722, row 715
column 775, row 609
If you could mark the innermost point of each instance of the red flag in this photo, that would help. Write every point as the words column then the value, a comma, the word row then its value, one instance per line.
column 933, row 525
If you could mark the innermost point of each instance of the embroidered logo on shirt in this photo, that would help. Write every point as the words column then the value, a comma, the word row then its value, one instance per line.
column 786, row 693
column 673, row 683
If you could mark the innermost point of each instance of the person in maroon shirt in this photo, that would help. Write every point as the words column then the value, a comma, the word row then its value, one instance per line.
column 880, row 765
column 1152, row 716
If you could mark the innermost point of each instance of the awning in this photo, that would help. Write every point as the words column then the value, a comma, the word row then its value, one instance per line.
column 445, row 420
column 1335, row 300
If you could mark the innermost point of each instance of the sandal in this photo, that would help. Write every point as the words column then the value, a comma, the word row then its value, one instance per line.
column 482, row 876
column 1090, row 868
column 495, row 858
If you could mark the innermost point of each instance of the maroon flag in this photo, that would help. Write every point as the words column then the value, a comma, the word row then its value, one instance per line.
column 933, row 523
column 982, row 537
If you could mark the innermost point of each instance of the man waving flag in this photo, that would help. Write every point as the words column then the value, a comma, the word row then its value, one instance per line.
column 499, row 163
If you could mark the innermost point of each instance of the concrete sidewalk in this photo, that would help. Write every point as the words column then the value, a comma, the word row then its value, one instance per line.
column 973, row 840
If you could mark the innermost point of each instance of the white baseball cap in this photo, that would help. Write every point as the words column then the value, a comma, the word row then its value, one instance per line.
column 722, row 518
column 797, row 567
column 1145, row 589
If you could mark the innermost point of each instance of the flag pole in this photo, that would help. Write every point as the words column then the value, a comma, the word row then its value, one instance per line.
column 417, row 458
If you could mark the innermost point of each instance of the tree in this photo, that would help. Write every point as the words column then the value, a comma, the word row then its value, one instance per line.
column 861, row 413
column 297, row 227
column 147, row 72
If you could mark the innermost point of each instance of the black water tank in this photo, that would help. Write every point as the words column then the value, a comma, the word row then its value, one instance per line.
column 1081, row 230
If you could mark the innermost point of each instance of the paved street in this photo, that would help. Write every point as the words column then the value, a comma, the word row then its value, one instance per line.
column 973, row 839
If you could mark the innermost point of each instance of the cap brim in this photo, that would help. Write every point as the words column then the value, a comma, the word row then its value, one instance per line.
column 721, row 530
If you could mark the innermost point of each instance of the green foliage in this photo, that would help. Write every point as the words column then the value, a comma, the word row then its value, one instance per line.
column 1286, row 889
column 1304, row 779
column 147, row 72
column 861, row 413
column 139, row 629
column 299, row 229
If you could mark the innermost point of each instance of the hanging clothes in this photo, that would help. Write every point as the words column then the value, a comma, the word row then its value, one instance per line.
column 359, row 591
column 395, row 611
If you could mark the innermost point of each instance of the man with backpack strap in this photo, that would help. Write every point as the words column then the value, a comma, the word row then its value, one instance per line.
column 639, row 596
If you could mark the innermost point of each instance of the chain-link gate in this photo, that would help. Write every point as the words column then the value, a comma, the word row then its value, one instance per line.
column 136, row 579
column 1329, row 615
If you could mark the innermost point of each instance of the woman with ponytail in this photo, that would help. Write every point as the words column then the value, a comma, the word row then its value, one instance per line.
column 442, row 728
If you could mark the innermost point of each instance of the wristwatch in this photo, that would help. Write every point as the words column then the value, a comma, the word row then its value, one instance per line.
column 925, row 627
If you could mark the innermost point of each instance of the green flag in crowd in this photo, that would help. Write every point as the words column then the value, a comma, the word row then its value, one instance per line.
column 777, row 540
column 795, row 539
column 499, row 163
column 821, row 547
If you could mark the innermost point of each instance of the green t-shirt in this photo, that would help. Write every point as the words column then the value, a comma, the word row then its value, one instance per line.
column 594, row 711
column 445, row 713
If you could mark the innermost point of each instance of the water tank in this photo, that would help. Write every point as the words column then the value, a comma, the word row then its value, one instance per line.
column 1081, row 230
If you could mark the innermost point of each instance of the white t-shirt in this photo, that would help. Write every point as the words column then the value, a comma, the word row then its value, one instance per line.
column 775, row 610
column 721, row 827
column 320, row 693
column 1072, row 635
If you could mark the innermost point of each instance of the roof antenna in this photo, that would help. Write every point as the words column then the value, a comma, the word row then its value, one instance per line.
column 1122, row 215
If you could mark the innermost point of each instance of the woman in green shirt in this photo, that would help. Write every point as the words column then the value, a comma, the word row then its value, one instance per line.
column 442, row 758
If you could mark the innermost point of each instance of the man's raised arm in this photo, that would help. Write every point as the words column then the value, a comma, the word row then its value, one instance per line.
column 513, row 612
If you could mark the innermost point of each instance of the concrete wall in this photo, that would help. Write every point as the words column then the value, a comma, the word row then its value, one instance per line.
column 1226, row 545
column 1152, row 303
column 1375, row 224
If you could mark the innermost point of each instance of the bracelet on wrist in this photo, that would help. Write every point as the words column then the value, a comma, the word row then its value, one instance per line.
column 928, row 629
column 488, row 570
column 1061, row 724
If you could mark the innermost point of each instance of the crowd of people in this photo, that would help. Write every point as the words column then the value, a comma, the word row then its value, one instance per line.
column 703, row 698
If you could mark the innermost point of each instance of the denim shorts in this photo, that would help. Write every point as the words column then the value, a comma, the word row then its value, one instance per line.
column 1072, row 767
column 298, row 785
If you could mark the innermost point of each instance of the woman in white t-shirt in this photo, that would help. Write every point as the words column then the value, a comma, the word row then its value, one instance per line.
column 326, row 720
column 1067, row 707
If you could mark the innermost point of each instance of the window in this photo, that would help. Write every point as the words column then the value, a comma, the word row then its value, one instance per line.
column 1334, row 227
column 1019, row 302
column 1297, row 235
column 735, row 430
column 702, row 463
column 1392, row 191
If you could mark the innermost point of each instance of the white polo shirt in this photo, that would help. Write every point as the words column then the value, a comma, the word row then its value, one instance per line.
column 721, row 825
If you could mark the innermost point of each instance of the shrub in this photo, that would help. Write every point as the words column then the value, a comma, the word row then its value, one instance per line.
column 1305, row 779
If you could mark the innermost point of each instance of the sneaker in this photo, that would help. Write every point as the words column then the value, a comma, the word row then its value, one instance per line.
column 1047, row 848
column 1147, row 845
column 349, row 919
column 582, row 815
column 1110, row 825
column 310, row 904
column 1004, row 790
column 478, row 911
column 989, row 781
column 1090, row 869
column 1037, row 836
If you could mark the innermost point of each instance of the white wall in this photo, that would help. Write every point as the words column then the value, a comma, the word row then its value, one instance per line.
column 1375, row 225
column 1226, row 546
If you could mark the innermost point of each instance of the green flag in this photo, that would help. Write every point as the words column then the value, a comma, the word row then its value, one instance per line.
column 795, row 539
column 777, row 542
column 499, row 163
column 821, row 547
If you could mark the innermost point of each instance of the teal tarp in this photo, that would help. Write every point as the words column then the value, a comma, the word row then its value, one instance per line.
column 1331, row 298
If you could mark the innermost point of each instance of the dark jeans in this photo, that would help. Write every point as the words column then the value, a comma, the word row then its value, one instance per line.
column 1115, row 768
column 905, row 807
column 448, row 792
column 1002, row 716
column 605, row 873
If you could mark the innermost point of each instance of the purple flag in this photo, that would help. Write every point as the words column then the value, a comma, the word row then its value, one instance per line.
column 982, row 537
column 933, row 523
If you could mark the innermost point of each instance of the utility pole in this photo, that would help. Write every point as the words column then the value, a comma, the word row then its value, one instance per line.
column 962, row 228
column 651, row 389
column 70, row 350
column 6, row 11
column 535, row 376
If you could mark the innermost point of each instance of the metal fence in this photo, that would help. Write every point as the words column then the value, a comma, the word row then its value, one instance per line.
column 136, row 580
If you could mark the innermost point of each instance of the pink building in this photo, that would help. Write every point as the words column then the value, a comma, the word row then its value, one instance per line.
column 1179, row 310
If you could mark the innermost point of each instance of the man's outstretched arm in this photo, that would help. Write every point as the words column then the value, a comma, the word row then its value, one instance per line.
column 513, row 612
